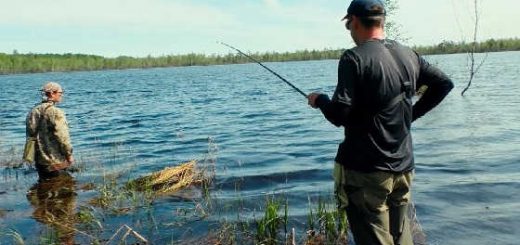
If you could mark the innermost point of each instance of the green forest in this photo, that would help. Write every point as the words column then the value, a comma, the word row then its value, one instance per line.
column 35, row 63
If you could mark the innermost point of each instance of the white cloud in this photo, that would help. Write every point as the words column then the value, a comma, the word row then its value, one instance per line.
column 111, row 13
column 272, row 4
column 137, row 27
column 431, row 22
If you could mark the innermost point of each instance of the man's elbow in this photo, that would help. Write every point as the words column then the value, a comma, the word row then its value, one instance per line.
column 442, row 88
column 337, row 124
column 448, row 85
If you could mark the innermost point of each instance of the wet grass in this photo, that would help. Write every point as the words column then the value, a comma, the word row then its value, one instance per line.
column 10, row 159
column 267, row 228
column 327, row 225
column 114, row 195
column 12, row 236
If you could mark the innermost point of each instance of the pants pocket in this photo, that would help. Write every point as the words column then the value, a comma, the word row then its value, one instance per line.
column 369, row 191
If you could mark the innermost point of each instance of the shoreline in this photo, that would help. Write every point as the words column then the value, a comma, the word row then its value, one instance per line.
column 11, row 64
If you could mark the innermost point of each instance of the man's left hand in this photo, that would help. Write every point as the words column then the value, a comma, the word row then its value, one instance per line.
column 60, row 166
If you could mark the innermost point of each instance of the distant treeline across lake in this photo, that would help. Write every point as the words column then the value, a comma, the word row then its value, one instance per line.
column 35, row 63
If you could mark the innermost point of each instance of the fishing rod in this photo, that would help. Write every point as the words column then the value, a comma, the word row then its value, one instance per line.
column 267, row 68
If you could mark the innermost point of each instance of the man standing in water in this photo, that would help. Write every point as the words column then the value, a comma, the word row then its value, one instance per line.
column 373, row 102
column 47, row 125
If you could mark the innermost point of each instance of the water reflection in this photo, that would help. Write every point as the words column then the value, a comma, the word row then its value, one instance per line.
column 53, row 201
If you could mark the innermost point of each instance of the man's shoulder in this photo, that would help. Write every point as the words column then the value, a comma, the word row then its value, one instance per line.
column 365, row 50
column 376, row 45
column 380, row 50
column 350, row 55
column 399, row 47
column 53, row 111
column 39, row 108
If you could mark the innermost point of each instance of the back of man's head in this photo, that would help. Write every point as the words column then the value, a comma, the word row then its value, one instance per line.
column 49, row 88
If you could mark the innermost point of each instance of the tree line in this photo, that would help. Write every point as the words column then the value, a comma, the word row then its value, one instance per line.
column 34, row 63
column 490, row 45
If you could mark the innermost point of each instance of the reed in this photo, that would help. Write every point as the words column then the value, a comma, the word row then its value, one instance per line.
column 169, row 180
column 327, row 224
column 268, row 226
column 15, row 237
column 11, row 158
column 118, row 197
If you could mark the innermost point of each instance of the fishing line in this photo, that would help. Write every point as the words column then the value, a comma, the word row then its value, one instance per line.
column 267, row 68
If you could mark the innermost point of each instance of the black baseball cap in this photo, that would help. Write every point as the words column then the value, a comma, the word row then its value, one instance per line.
column 366, row 8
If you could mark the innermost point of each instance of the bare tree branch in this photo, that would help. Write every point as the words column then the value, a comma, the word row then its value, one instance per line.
column 472, row 69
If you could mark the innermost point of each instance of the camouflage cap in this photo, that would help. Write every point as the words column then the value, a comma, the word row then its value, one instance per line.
column 51, row 87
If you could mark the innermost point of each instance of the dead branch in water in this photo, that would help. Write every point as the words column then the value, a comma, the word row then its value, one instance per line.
column 473, row 67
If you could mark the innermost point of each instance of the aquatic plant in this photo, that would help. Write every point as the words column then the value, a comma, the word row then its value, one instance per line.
column 11, row 158
column 122, row 237
column 327, row 225
column 119, row 197
column 268, row 226
column 15, row 236
column 168, row 180
column 87, row 217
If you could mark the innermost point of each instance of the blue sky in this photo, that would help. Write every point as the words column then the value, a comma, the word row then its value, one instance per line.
column 160, row 27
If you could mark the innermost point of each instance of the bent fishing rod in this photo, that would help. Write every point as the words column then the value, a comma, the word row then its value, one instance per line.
column 267, row 68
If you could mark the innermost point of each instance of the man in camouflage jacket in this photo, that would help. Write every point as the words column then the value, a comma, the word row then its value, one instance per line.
column 48, row 126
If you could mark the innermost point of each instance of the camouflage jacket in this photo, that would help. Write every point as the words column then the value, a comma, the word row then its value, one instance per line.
column 48, row 125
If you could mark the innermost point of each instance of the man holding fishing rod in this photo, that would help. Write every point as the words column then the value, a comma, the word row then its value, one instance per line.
column 373, row 101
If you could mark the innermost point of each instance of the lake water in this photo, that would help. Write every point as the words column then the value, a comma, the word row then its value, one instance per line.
column 269, row 141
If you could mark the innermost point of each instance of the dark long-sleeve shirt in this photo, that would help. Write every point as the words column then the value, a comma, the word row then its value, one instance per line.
column 372, row 100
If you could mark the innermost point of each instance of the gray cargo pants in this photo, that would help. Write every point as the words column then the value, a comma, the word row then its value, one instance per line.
column 376, row 205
